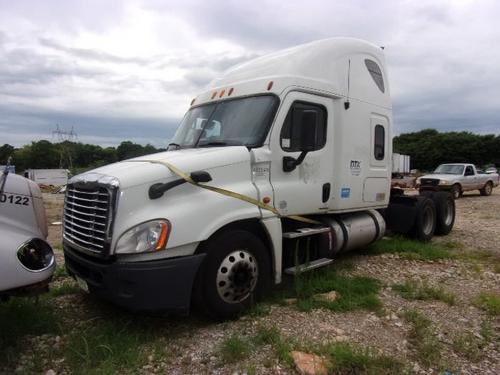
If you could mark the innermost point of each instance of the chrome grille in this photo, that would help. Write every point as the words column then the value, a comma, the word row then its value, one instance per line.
column 429, row 181
column 87, row 217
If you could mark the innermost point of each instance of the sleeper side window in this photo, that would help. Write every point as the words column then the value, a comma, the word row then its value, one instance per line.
column 379, row 149
column 290, row 137
column 376, row 74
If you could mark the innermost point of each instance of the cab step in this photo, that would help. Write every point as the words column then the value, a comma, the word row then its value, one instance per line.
column 303, row 232
column 308, row 266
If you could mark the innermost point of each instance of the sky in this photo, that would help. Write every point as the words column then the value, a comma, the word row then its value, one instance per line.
column 128, row 69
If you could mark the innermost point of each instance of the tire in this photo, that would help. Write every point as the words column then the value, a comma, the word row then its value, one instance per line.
column 445, row 212
column 487, row 189
column 425, row 220
column 232, row 255
column 456, row 191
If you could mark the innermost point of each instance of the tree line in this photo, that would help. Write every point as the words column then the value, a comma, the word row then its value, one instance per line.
column 75, row 156
column 427, row 148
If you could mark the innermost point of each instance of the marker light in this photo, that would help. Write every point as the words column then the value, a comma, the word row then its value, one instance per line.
column 214, row 94
column 221, row 93
column 270, row 85
column 230, row 91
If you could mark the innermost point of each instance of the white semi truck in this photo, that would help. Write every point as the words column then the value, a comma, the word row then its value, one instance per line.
column 27, row 261
column 283, row 163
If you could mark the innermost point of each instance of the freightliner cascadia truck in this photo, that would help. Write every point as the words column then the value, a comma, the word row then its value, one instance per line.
column 280, row 165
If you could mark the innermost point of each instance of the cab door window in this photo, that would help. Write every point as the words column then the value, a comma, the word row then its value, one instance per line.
column 291, row 137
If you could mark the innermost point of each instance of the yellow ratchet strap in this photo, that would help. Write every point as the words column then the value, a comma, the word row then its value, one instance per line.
column 228, row 193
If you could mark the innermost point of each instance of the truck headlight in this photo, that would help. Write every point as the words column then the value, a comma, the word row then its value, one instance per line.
column 443, row 182
column 145, row 237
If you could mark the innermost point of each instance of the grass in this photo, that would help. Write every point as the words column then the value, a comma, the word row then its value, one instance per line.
column 410, row 249
column 489, row 302
column 345, row 358
column 471, row 346
column 234, row 349
column 342, row 358
column 423, row 339
column 413, row 290
column 20, row 317
column 106, row 347
column 64, row 288
column 354, row 292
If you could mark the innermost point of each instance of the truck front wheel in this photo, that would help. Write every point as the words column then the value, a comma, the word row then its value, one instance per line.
column 487, row 189
column 234, row 275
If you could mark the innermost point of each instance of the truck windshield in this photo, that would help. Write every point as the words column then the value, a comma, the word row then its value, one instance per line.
column 449, row 169
column 243, row 121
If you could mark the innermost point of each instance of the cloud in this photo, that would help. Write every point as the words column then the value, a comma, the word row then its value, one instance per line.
column 129, row 68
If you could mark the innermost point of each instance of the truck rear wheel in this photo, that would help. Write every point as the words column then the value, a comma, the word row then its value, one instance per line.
column 445, row 212
column 487, row 189
column 234, row 275
column 425, row 220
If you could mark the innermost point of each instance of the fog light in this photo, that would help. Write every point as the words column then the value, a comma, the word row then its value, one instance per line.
column 35, row 255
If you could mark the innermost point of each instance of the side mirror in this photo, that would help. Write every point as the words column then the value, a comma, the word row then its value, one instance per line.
column 305, row 123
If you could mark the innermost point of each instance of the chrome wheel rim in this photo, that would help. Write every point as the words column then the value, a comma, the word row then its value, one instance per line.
column 487, row 189
column 237, row 276
column 428, row 220
column 448, row 213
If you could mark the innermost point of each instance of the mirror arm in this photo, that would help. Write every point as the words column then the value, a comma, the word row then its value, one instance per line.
column 289, row 163
column 157, row 190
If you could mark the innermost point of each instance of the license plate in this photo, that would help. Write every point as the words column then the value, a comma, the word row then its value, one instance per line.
column 82, row 284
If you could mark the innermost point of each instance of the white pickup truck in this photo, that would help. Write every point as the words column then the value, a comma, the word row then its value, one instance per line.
column 458, row 178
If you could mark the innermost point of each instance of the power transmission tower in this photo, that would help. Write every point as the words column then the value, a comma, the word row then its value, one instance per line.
column 64, row 138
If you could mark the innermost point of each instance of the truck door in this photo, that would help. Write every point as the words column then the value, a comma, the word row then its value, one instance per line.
column 306, row 188
column 470, row 178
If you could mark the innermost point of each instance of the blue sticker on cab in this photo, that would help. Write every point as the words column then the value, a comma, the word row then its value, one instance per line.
column 345, row 193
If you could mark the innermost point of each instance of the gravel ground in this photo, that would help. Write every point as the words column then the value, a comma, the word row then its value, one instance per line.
column 189, row 345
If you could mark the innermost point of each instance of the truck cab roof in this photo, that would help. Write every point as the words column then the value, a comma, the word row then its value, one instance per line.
column 337, row 66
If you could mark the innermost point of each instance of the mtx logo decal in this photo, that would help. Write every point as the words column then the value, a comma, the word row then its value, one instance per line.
column 355, row 167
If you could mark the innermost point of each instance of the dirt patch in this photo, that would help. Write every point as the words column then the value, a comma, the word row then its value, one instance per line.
column 191, row 345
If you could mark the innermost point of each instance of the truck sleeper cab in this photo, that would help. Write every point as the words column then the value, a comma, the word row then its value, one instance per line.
column 281, row 164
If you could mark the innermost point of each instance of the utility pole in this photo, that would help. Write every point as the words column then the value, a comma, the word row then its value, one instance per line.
column 64, row 138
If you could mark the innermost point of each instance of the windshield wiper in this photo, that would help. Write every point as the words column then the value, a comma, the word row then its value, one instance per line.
column 176, row 145
column 214, row 143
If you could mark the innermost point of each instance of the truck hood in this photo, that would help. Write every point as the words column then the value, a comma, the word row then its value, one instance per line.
column 138, row 171
column 441, row 176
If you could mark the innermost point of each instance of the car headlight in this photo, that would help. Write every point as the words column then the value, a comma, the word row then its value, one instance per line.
column 145, row 237
column 443, row 182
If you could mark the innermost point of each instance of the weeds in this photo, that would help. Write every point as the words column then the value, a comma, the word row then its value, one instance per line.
column 473, row 347
column 67, row 287
column 354, row 292
column 21, row 317
column 105, row 347
column 490, row 302
column 423, row 339
column 345, row 358
column 234, row 349
column 410, row 249
column 413, row 290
